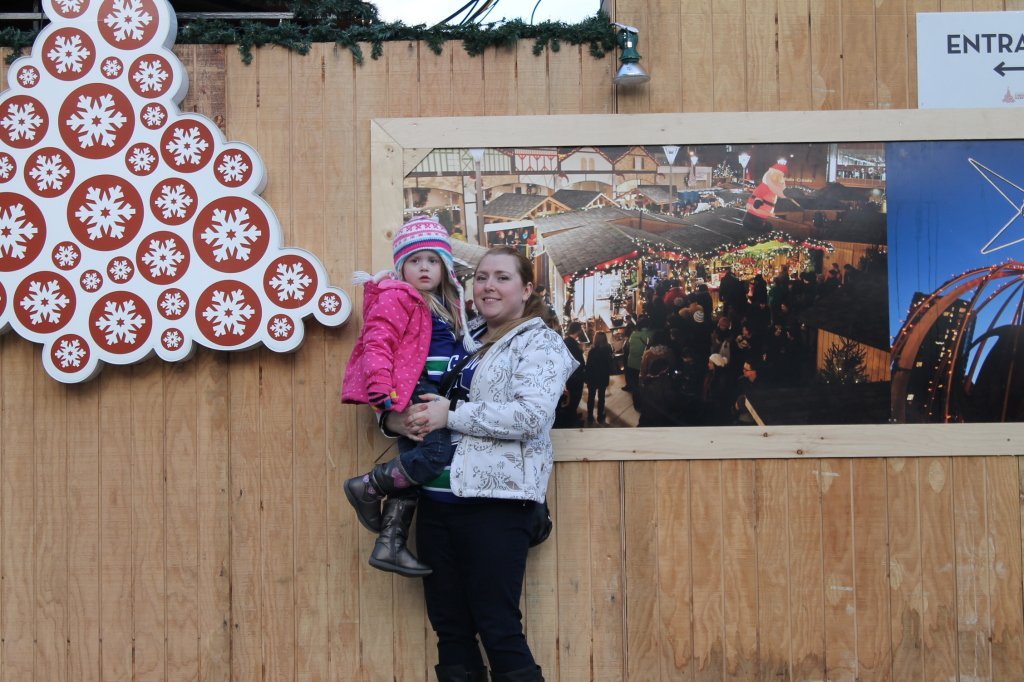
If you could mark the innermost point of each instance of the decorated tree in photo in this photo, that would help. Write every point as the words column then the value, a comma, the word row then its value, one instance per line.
column 127, row 227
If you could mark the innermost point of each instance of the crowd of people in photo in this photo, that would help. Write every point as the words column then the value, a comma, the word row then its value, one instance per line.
column 689, row 360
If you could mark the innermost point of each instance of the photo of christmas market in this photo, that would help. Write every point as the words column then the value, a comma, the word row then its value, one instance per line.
column 697, row 285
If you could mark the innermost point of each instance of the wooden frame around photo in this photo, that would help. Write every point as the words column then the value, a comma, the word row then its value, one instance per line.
column 397, row 145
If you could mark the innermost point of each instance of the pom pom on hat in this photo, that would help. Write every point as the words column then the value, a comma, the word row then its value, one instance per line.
column 423, row 233
column 718, row 360
column 780, row 166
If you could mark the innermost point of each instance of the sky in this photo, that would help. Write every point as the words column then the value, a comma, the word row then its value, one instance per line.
column 413, row 12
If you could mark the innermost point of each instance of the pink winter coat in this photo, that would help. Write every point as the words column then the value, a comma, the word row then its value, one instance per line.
column 392, row 348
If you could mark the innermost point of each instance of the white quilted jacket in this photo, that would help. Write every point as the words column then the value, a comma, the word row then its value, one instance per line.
column 506, row 448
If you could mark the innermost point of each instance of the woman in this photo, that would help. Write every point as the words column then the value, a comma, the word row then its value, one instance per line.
column 599, row 370
column 475, row 521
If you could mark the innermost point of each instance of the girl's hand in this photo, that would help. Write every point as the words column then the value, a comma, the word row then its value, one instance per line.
column 433, row 413
column 403, row 423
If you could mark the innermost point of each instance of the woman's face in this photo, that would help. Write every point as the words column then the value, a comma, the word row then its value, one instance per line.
column 499, row 292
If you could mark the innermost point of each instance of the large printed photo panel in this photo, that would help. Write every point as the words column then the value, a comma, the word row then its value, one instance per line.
column 809, row 283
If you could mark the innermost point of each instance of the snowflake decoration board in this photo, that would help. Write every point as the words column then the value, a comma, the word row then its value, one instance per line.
column 126, row 227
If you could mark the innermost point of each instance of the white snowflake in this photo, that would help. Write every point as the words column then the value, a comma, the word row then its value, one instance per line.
column 141, row 160
column 173, row 202
column 163, row 258
column 68, row 53
column 187, row 146
column 44, row 302
column 172, row 339
column 70, row 353
column 49, row 172
column 6, row 167
column 232, row 167
column 15, row 231
column 228, row 313
column 28, row 77
column 96, row 120
column 120, row 270
column 128, row 19
column 120, row 322
column 21, row 121
column 280, row 327
column 329, row 304
column 290, row 282
column 153, row 115
column 112, row 68
column 105, row 212
column 91, row 281
column 231, row 236
column 173, row 304
column 68, row 6
column 150, row 76
column 66, row 256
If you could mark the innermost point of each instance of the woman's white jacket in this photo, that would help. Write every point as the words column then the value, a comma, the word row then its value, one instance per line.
column 506, row 451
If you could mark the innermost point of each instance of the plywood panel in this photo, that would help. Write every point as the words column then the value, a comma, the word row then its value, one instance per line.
column 698, row 74
column 662, row 51
column 906, row 598
column 973, row 587
column 574, row 593
column 728, row 35
column 836, row 480
column 893, row 27
column 565, row 80
column 774, row 619
column 675, row 570
column 50, row 557
column 607, row 572
column 739, row 570
column 807, row 585
column 795, row 40
column 532, row 96
column 17, row 502
column 1004, row 498
column 826, row 51
column 871, row 579
column 709, row 615
column 858, row 54
column 938, row 577
column 641, row 568
column 763, row 56
column 148, row 507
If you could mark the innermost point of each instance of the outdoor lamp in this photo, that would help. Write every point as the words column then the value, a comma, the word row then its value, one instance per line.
column 630, row 73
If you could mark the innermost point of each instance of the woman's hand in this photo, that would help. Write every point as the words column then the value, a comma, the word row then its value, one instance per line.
column 433, row 413
column 408, row 423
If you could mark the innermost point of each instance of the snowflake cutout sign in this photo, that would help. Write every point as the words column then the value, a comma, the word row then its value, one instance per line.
column 128, row 228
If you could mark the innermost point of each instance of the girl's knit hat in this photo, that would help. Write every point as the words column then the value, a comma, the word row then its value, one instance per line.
column 423, row 233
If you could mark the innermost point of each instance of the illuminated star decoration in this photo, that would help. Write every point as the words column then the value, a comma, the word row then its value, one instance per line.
column 1018, row 205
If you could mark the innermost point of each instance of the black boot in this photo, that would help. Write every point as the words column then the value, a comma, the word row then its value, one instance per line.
column 459, row 673
column 531, row 674
column 365, row 492
column 390, row 552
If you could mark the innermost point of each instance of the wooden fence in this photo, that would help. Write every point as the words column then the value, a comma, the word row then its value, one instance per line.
column 186, row 522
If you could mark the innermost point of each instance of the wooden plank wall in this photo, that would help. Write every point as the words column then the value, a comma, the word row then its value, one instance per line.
column 185, row 522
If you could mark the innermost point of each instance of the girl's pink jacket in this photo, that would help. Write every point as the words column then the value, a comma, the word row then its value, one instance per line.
column 392, row 348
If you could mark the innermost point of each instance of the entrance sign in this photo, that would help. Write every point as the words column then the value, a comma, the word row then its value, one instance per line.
column 970, row 59
column 126, row 227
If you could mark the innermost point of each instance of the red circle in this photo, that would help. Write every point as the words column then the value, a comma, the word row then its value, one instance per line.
column 3, row 298
column 290, row 281
column 105, row 212
column 70, row 353
column 187, row 146
column 233, row 167
column 91, row 280
column 23, row 121
column 120, row 269
column 66, row 255
column 153, row 116
column 163, row 257
column 330, row 303
column 285, row 327
column 120, row 322
column 228, row 313
column 173, row 304
column 44, row 302
column 141, row 159
column 68, row 54
column 150, row 76
column 111, row 67
column 28, row 76
column 8, row 167
column 128, row 24
column 49, row 172
column 69, row 9
column 166, row 339
column 174, row 201
column 22, row 231
column 231, row 234
column 96, row 121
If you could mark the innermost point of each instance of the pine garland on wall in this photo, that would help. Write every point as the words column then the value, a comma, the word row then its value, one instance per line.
column 347, row 23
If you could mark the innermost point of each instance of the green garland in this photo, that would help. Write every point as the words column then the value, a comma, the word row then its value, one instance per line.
column 347, row 24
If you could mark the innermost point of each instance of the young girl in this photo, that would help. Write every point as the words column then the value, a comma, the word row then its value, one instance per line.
column 412, row 320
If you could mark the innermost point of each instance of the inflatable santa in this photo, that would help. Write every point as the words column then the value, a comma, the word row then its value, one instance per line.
column 761, row 204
